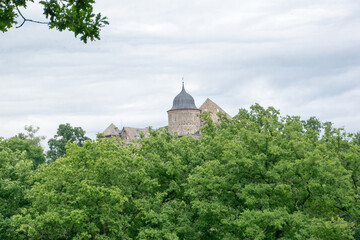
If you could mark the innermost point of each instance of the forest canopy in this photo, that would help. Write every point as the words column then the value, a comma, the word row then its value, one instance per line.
column 259, row 175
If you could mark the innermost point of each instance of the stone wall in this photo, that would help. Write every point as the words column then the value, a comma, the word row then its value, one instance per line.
column 183, row 121
column 212, row 107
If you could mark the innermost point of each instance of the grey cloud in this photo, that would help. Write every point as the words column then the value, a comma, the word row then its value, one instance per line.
column 301, row 57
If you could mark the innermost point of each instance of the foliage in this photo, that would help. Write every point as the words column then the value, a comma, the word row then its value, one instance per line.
column 15, row 170
column 92, row 192
column 65, row 133
column 29, row 143
column 31, row 136
column 256, row 176
column 73, row 15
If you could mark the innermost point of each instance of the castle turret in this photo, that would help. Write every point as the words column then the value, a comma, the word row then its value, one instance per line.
column 182, row 117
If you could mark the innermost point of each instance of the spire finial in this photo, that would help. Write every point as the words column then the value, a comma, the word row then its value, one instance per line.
column 183, row 83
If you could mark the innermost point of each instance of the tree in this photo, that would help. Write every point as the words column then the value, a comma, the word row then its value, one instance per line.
column 94, row 192
column 65, row 133
column 15, row 173
column 259, row 176
column 312, row 124
column 73, row 15
column 268, row 178
column 29, row 143
column 357, row 138
column 31, row 136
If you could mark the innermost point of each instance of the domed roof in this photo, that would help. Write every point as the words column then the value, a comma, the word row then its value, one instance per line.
column 183, row 101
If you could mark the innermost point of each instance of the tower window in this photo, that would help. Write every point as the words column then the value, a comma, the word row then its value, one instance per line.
column 174, row 119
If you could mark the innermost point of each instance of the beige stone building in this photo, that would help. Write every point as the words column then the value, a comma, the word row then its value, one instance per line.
column 183, row 119
column 126, row 134
column 111, row 131
column 212, row 107
column 183, row 116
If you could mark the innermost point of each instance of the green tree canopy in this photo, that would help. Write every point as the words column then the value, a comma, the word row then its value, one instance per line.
column 73, row 15
column 65, row 133
column 31, row 135
column 29, row 143
column 15, row 171
column 257, row 176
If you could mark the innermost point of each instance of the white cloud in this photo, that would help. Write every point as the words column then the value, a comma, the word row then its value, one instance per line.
column 302, row 57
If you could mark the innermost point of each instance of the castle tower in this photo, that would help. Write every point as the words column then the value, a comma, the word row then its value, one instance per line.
column 182, row 117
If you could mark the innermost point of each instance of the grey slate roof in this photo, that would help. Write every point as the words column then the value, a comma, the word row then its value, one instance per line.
column 183, row 101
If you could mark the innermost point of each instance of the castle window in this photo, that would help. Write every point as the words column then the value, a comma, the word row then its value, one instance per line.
column 174, row 119
column 217, row 110
column 194, row 118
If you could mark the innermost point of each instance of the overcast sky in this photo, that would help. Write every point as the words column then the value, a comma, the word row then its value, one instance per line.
column 302, row 57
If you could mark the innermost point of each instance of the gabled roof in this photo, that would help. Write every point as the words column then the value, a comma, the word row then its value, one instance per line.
column 111, row 130
column 129, row 133
column 211, row 106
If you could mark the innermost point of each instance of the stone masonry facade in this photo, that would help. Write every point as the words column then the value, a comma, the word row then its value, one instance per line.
column 212, row 107
column 183, row 119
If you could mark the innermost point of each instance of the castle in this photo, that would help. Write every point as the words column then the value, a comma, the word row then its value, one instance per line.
column 183, row 118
